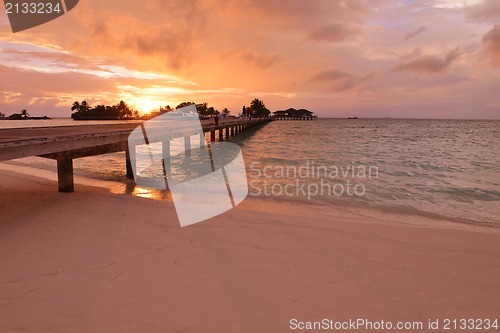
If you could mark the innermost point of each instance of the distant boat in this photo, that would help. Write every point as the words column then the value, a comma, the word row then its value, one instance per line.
column 352, row 117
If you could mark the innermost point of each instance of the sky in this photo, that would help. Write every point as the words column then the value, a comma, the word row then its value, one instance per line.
column 365, row 58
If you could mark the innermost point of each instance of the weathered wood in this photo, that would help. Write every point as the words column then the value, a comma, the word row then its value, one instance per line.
column 202, row 139
column 25, row 142
column 187, row 145
column 69, row 142
column 165, row 147
column 65, row 175
column 88, row 151
column 129, row 157
column 37, row 147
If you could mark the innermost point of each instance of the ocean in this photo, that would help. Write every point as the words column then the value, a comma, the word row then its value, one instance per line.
column 439, row 169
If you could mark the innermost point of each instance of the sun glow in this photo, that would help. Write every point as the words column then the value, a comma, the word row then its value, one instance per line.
column 147, row 105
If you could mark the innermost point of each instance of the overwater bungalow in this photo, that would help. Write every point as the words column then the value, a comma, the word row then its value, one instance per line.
column 294, row 114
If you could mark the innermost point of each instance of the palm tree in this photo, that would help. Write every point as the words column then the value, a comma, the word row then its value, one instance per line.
column 202, row 109
column 257, row 104
column 226, row 111
column 258, row 108
column 210, row 110
column 24, row 113
column 84, row 107
column 183, row 104
column 123, row 110
column 165, row 109
column 76, row 106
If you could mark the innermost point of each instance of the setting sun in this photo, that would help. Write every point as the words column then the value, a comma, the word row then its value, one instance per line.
column 146, row 105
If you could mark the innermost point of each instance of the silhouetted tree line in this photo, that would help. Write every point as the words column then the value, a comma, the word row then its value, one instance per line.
column 23, row 115
column 119, row 111
column 203, row 109
column 257, row 108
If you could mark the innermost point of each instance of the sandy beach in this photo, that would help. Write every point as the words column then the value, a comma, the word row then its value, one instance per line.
column 93, row 261
column 359, row 140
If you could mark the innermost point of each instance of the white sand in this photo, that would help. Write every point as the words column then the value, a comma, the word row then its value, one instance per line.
column 92, row 261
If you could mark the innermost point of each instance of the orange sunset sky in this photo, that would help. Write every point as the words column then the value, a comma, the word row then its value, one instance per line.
column 372, row 58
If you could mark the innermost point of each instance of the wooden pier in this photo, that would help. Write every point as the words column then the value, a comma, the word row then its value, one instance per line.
column 294, row 114
column 66, row 143
column 294, row 118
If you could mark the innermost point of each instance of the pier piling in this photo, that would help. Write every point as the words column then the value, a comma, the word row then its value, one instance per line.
column 65, row 175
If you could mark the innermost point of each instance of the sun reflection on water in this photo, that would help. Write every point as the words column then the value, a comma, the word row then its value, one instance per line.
column 142, row 192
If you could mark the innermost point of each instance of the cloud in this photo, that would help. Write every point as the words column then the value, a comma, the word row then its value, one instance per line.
column 37, row 91
column 491, row 41
column 414, row 33
column 12, row 79
column 487, row 11
column 53, row 59
column 426, row 64
column 222, row 51
column 262, row 61
column 144, row 33
column 335, row 32
column 316, row 20
column 341, row 80
column 298, row 14
column 454, row 4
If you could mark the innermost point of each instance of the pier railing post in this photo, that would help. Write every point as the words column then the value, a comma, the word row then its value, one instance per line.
column 202, row 139
column 165, row 147
column 130, row 170
column 187, row 145
column 65, row 175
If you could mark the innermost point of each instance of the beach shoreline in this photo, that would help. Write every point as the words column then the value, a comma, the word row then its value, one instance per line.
column 128, row 187
column 103, row 262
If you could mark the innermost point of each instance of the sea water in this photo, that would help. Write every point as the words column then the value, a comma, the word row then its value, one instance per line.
column 448, row 169
column 444, row 169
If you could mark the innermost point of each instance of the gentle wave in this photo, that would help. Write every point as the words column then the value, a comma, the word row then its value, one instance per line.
column 442, row 169
column 445, row 169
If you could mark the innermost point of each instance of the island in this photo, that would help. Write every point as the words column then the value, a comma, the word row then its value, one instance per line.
column 23, row 115
column 120, row 111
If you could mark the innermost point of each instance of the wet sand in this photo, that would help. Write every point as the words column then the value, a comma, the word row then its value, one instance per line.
column 93, row 261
